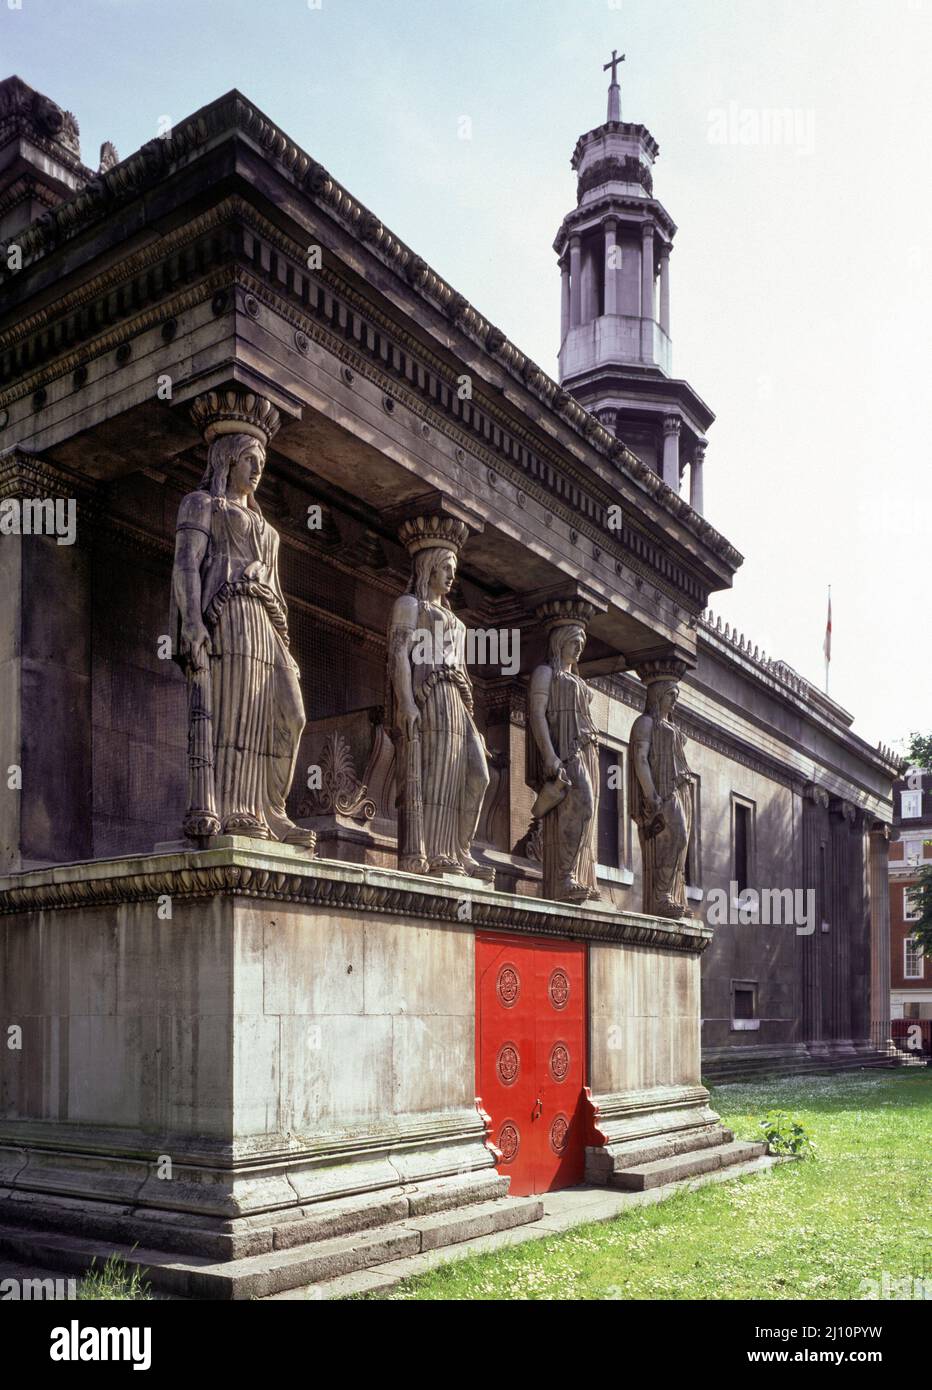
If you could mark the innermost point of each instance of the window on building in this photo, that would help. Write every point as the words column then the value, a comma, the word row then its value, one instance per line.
column 913, row 962
column 910, row 805
column 911, row 911
column 744, row 1003
column 742, row 844
column 611, row 807
column 912, row 851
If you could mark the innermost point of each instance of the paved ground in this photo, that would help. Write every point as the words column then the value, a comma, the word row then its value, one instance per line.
column 562, row 1210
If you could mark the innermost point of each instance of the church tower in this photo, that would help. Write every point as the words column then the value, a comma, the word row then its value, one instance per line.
column 614, row 256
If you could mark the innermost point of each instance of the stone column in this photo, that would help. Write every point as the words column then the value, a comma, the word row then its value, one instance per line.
column 46, row 557
column 575, row 282
column 665, row 249
column 695, row 477
column 815, row 807
column 843, row 815
column 880, row 933
column 505, row 817
column 564, row 298
column 647, row 270
column 647, row 292
column 611, row 266
column 671, row 451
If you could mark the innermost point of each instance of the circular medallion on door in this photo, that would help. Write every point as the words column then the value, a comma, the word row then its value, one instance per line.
column 559, row 1131
column 559, row 989
column 559, row 1061
column 508, row 1064
column 509, row 1141
column 508, row 986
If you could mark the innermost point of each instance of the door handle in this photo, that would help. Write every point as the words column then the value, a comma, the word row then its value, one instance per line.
column 538, row 1109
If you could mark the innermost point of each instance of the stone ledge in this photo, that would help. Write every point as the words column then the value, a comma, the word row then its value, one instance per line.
column 240, row 867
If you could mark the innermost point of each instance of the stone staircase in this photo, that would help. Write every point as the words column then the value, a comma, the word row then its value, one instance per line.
column 438, row 1214
column 721, row 1070
column 657, row 1164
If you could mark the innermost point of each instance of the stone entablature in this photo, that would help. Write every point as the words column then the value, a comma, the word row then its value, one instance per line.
column 376, row 347
column 754, row 744
column 161, row 158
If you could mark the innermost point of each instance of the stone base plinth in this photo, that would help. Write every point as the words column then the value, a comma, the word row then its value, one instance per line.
column 241, row 1051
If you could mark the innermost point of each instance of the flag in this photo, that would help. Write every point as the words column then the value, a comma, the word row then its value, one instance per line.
column 827, row 644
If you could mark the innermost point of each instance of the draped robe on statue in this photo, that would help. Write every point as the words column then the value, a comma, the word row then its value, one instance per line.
column 569, row 851
column 453, row 773
column 257, row 709
column 663, row 853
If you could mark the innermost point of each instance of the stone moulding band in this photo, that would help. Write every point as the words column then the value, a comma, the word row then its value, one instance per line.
column 340, row 887
column 248, row 1156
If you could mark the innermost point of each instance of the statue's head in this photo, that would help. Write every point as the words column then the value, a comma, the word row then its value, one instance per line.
column 661, row 699
column 567, row 642
column 234, row 464
column 434, row 573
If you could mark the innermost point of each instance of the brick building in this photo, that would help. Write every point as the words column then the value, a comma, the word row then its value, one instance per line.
column 910, row 969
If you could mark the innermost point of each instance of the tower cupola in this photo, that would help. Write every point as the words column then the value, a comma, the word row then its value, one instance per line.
column 614, row 251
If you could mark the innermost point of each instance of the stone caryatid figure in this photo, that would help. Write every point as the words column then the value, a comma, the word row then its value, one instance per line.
column 229, row 629
column 441, row 768
column 563, row 756
column 660, row 792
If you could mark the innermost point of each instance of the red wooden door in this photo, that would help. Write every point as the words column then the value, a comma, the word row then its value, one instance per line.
column 531, row 1057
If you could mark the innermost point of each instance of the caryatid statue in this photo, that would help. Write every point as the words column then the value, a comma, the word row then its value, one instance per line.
column 229, row 628
column 660, row 792
column 563, row 756
column 441, row 768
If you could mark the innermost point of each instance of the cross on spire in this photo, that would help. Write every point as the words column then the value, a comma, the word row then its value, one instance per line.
column 614, row 91
column 613, row 64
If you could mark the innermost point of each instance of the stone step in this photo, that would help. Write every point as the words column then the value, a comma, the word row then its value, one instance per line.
column 563, row 1211
column 259, row 1276
column 604, row 1162
column 643, row 1176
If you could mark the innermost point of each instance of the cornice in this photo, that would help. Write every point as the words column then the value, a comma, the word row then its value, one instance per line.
column 23, row 474
column 608, row 203
column 428, row 413
column 336, row 887
column 622, row 687
column 93, row 348
column 136, row 263
column 781, row 680
column 629, row 130
column 133, row 176
column 27, row 186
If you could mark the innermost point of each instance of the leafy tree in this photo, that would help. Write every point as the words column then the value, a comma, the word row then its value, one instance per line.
column 921, row 897
column 919, row 753
column 919, row 750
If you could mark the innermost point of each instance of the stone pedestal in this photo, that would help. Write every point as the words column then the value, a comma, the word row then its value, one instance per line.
column 242, row 1056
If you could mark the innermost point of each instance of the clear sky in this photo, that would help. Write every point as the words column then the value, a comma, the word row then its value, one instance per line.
column 802, row 271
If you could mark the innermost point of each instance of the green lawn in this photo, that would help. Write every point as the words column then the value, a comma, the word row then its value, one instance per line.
column 807, row 1229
